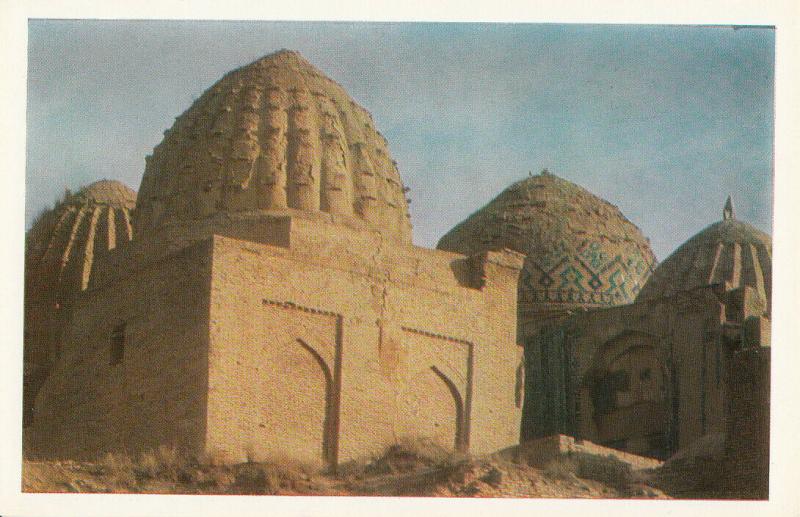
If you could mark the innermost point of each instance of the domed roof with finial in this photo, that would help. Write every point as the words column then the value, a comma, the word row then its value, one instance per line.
column 275, row 135
column 581, row 250
column 730, row 252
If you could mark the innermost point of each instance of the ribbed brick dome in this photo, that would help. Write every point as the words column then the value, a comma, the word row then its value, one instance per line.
column 276, row 135
column 61, row 250
column 730, row 252
column 581, row 251
column 61, row 245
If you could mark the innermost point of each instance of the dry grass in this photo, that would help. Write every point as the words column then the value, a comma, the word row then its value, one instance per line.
column 171, row 467
column 167, row 463
column 409, row 467
column 270, row 478
column 410, row 454
column 117, row 468
column 272, row 475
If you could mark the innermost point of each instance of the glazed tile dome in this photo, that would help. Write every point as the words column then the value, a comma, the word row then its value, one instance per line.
column 581, row 251
column 275, row 135
column 730, row 252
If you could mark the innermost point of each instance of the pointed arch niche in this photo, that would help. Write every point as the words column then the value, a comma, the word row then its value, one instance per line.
column 299, row 389
column 439, row 388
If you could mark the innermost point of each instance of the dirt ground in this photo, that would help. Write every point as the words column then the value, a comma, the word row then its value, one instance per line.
column 400, row 471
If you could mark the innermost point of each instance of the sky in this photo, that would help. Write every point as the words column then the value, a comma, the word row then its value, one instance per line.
column 662, row 121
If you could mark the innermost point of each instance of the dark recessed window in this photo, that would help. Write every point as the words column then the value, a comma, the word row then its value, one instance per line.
column 645, row 374
column 117, row 344
column 621, row 380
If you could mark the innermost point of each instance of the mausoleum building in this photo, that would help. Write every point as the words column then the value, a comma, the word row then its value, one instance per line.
column 271, row 301
column 261, row 296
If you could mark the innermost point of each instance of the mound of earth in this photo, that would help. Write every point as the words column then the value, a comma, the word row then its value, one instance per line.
column 402, row 470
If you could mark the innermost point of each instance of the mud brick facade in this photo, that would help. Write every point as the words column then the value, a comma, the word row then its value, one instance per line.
column 261, row 297
column 271, row 302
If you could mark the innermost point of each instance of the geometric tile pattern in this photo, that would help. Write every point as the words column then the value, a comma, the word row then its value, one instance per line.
column 580, row 250
column 588, row 275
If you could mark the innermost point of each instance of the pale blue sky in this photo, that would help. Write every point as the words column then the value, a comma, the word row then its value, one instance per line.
column 663, row 121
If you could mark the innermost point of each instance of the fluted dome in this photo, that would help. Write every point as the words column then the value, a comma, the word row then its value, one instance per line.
column 730, row 252
column 61, row 245
column 61, row 250
column 111, row 193
column 581, row 251
column 275, row 135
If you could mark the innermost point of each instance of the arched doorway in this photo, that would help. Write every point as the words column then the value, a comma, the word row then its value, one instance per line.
column 627, row 395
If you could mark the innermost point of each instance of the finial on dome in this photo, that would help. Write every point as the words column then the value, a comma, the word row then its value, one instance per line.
column 545, row 172
column 727, row 212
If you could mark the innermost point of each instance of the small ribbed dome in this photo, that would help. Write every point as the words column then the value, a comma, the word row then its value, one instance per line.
column 581, row 251
column 275, row 135
column 730, row 252
column 106, row 192
column 61, row 250
column 61, row 244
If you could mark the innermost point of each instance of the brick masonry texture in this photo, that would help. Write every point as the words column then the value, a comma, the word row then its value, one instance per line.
column 261, row 297
column 271, row 302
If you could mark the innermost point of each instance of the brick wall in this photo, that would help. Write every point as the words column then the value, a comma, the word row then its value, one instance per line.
column 389, row 342
column 155, row 394
column 746, row 473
